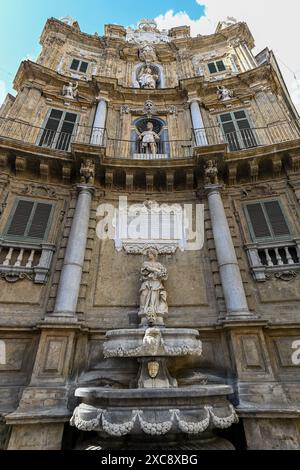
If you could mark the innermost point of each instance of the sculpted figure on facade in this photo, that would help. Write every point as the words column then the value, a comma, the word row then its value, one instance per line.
column 224, row 94
column 70, row 90
column 147, row 54
column 87, row 172
column 147, row 78
column 149, row 139
column 153, row 296
column 211, row 173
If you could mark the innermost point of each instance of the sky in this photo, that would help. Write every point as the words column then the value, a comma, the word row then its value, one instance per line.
column 274, row 24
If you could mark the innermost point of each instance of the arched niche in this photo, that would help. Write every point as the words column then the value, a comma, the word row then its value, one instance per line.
column 157, row 69
column 159, row 126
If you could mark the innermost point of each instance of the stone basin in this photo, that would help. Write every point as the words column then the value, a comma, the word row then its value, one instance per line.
column 169, row 342
column 156, row 412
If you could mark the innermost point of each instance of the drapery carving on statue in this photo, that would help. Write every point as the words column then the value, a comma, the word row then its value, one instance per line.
column 70, row 91
column 147, row 53
column 153, row 296
column 147, row 78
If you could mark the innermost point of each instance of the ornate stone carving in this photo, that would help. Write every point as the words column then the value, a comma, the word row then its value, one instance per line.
column 87, row 172
column 149, row 139
column 285, row 276
column 153, row 296
column 211, row 173
column 70, row 91
column 147, row 31
column 153, row 369
column 147, row 53
column 224, row 94
column 147, row 78
column 39, row 190
column 152, row 341
column 162, row 248
column 149, row 107
column 14, row 277
column 174, row 419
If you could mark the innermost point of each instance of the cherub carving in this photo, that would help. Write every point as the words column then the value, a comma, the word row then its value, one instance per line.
column 211, row 173
column 87, row 172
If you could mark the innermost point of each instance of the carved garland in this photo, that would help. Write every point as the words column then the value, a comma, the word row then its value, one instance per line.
column 154, row 429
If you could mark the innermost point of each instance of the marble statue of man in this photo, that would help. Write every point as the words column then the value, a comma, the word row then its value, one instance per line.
column 149, row 139
column 147, row 79
column 153, row 296
column 211, row 173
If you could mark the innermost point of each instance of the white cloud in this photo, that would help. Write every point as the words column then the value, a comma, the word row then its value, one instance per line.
column 3, row 92
column 273, row 25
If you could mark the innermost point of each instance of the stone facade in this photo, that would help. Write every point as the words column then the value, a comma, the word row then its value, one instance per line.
column 69, row 142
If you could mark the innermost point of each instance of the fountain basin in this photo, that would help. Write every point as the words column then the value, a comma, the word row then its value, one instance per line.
column 154, row 412
column 162, row 342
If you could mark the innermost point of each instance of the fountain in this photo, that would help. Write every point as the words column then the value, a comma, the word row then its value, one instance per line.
column 155, row 405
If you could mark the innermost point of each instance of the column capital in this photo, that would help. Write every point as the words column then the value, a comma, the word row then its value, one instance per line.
column 213, row 189
column 81, row 188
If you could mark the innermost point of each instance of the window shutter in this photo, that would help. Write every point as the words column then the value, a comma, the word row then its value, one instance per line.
column 20, row 218
column 40, row 221
column 258, row 221
column 277, row 219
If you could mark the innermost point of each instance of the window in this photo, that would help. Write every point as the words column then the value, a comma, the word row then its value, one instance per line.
column 79, row 66
column 237, row 130
column 267, row 221
column 58, row 130
column 30, row 220
column 215, row 67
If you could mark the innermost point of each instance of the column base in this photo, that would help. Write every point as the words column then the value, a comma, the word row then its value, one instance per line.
column 62, row 317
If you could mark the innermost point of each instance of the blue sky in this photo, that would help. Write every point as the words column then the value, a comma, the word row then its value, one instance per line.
column 22, row 21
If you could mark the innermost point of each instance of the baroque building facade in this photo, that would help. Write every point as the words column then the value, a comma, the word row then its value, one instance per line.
column 163, row 118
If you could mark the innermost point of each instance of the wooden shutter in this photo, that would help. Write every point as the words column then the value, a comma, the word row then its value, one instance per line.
column 258, row 221
column 39, row 224
column 276, row 219
column 30, row 220
column 20, row 219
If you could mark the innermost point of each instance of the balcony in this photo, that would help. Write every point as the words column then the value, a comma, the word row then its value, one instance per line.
column 17, row 130
column 279, row 260
column 21, row 260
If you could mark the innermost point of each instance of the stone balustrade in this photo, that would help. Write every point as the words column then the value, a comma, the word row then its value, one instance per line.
column 20, row 260
column 274, row 258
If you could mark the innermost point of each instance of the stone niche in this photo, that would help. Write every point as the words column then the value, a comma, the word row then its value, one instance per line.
column 117, row 279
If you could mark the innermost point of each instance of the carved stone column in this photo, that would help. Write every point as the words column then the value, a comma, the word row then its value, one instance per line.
column 233, row 288
column 97, row 137
column 70, row 279
column 198, row 125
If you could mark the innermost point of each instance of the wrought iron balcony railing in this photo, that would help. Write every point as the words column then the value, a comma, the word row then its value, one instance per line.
column 242, row 139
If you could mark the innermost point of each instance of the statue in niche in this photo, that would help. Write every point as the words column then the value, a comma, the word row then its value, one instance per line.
column 153, row 296
column 224, row 94
column 149, row 139
column 147, row 79
column 70, row 91
column 211, row 173
column 87, row 172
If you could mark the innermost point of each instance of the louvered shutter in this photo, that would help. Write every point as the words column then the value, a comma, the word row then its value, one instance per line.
column 40, row 221
column 258, row 221
column 276, row 219
column 19, row 222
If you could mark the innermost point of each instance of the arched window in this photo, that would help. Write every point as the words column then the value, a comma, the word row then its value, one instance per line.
column 138, row 147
